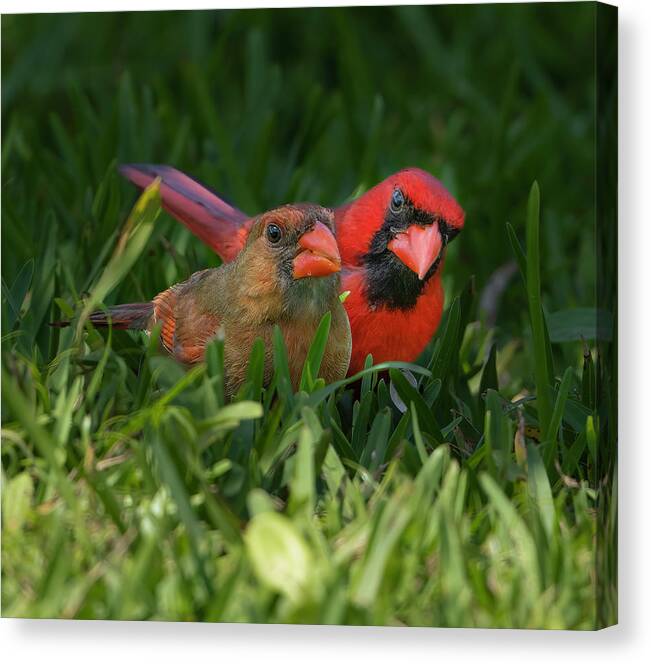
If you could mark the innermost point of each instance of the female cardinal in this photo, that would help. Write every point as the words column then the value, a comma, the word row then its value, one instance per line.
column 392, row 241
column 286, row 274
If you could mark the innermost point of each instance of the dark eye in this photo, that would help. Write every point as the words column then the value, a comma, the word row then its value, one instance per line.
column 274, row 233
column 397, row 200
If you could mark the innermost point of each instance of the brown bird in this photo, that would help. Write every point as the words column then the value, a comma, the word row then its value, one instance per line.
column 286, row 275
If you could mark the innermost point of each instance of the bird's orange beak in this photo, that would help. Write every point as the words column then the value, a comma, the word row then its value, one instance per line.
column 418, row 247
column 318, row 253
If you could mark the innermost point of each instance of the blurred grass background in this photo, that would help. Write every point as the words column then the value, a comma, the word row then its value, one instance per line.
column 129, row 492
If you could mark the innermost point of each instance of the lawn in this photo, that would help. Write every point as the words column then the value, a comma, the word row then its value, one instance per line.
column 480, row 493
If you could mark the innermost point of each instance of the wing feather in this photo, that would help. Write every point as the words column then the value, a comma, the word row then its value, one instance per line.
column 186, row 327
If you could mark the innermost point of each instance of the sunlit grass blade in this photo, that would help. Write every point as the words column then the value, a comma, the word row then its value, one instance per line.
column 130, row 246
column 46, row 445
column 171, row 477
column 302, row 493
column 518, row 533
column 387, row 529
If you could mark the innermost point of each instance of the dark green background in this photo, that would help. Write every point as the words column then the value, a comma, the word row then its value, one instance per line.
column 273, row 106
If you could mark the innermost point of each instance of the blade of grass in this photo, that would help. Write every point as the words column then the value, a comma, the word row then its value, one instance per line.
column 131, row 244
column 312, row 363
column 540, row 492
column 557, row 416
column 536, row 312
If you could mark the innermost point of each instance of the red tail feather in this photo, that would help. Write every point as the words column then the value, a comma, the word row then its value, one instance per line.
column 218, row 224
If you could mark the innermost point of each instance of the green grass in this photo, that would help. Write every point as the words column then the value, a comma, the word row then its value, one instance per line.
column 480, row 496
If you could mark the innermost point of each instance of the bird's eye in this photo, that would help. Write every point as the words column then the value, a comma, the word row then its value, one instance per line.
column 274, row 233
column 397, row 200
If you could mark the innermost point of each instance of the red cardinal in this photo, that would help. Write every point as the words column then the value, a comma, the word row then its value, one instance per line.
column 287, row 274
column 392, row 241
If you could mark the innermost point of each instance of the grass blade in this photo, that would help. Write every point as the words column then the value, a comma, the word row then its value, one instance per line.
column 536, row 312
column 131, row 244
column 314, row 357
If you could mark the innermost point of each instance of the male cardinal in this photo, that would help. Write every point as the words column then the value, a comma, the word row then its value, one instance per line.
column 392, row 241
column 286, row 274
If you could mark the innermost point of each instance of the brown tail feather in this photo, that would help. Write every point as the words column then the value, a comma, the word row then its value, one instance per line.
column 133, row 316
